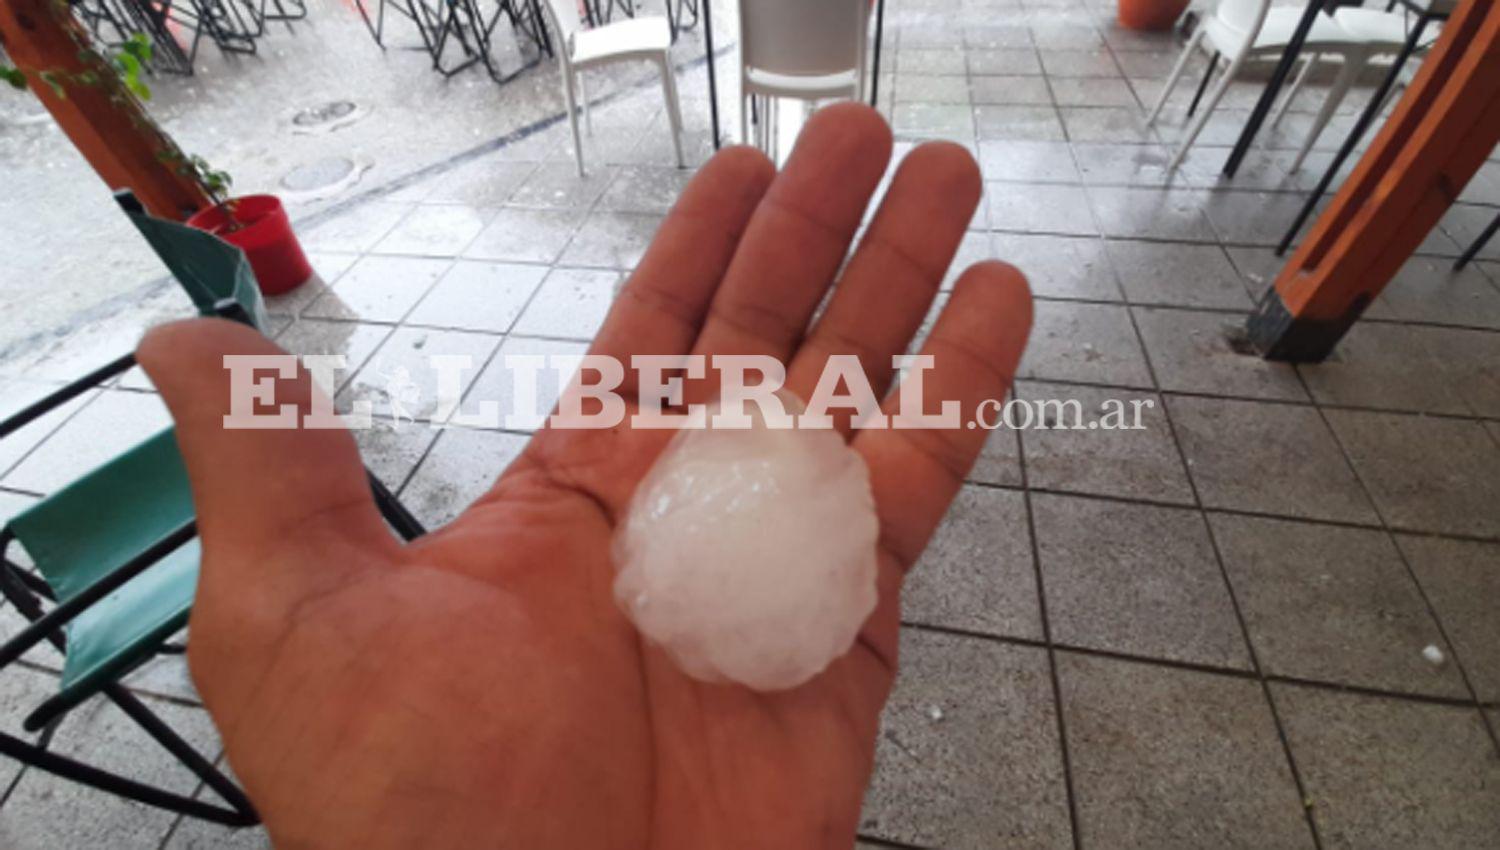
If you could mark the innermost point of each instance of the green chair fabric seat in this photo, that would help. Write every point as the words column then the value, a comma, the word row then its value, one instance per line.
column 130, row 503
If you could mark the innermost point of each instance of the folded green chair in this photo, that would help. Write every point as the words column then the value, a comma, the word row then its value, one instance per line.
column 116, row 551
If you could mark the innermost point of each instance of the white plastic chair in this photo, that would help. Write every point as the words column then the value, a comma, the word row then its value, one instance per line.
column 1240, row 30
column 645, row 37
column 801, row 49
column 1369, row 23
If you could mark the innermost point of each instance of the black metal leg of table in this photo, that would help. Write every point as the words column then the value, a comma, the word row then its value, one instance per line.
column 1273, row 86
column 875, row 66
column 713, row 86
column 1366, row 118
column 1213, row 62
column 1485, row 237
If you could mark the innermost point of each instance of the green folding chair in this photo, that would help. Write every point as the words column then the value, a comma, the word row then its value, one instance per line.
column 116, row 552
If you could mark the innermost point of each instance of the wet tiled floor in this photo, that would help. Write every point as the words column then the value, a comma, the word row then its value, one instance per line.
column 1205, row 633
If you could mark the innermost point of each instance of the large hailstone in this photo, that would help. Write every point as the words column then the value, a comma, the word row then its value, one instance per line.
column 749, row 555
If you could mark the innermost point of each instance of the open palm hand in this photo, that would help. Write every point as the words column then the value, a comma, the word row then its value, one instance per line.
column 479, row 687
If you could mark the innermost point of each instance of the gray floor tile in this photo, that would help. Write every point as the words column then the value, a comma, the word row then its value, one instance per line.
column 1254, row 218
column 1462, row 579
column 356, row 230
column 1065, row 35
column 1019, row 123
column 932, row 88
column 496, row 385
column 987, row 33
column 1464, row 222
column 1151, row 213
column 1078, row 91
column 525, row 236
column 1092, row 343
column 400, row 379
column 479, row 296
column 1425, row 474
column 1027, row 161
column 1426, row 289
column 1134, row 464
column 379, row 289
column 1009, row 89
column 1267, row 458
column 1166, row 758
column 1109, row 164
column 1107, row 124
column 108, row 425
column 933, row 120
column 436, row 230
column 1191, row 352
column 1469, row 364
column 929, row 61
column 612, row 240
column 354, row 340
column 21, row 691
column 461, row 467
column 1041, row 208
column 1004, row 61
column 1136, row 579
column 392, row 452
column 1179, row 275
column 1079, row 63
column 43, row 812
column 976, row 246
column 556, row 185
column 999, row 460
column 15, row 397
column 968, row 753
column 1389, row 366
column 1060, row 266
column 976, row 573
column 571, row 304
column 1332, row 604
column 1385, row 773
column 486, row 182
column 645, row 188
column 192, row 834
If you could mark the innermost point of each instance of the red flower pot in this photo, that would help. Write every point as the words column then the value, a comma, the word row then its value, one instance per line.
column 258, row 225
column 1150, row 14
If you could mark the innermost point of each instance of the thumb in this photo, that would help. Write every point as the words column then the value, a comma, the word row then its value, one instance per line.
column 259, row 491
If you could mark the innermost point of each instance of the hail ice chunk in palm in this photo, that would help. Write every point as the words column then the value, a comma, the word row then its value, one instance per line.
column 749, row 554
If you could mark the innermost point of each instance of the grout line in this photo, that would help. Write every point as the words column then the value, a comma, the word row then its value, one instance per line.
column 1411, row 573
column 1228, row 584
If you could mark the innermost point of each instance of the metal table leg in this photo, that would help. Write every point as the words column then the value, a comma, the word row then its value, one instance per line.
column 1486, row 236
column 1273, row 86
column 1366, row 118
column 713, row 86
column 875, row 66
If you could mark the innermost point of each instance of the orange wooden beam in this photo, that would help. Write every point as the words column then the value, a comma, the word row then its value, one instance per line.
column 1439, row 135
column 104, row 120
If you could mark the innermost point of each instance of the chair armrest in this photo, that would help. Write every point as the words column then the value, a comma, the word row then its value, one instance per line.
column 40, row 408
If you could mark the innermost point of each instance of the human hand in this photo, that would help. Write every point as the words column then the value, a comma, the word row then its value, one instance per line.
column 479, row 687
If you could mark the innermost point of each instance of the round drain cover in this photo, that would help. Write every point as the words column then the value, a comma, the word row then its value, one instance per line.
column 325, row 117
column 322, row 178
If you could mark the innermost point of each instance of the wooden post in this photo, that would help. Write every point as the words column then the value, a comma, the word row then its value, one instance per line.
column 1439, row 135
column 103, row 119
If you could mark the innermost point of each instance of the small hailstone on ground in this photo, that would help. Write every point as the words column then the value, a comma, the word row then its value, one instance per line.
column 749, row 554
column 1433, row 655
column 935, row 712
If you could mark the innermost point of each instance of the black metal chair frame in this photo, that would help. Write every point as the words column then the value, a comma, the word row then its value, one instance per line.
column 30, row 595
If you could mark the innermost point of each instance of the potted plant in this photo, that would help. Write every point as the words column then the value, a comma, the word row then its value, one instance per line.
column 1150, row 14
column 257, row 224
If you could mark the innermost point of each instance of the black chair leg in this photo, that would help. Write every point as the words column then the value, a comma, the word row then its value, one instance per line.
column 1484, row 238
column 1213, row 62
